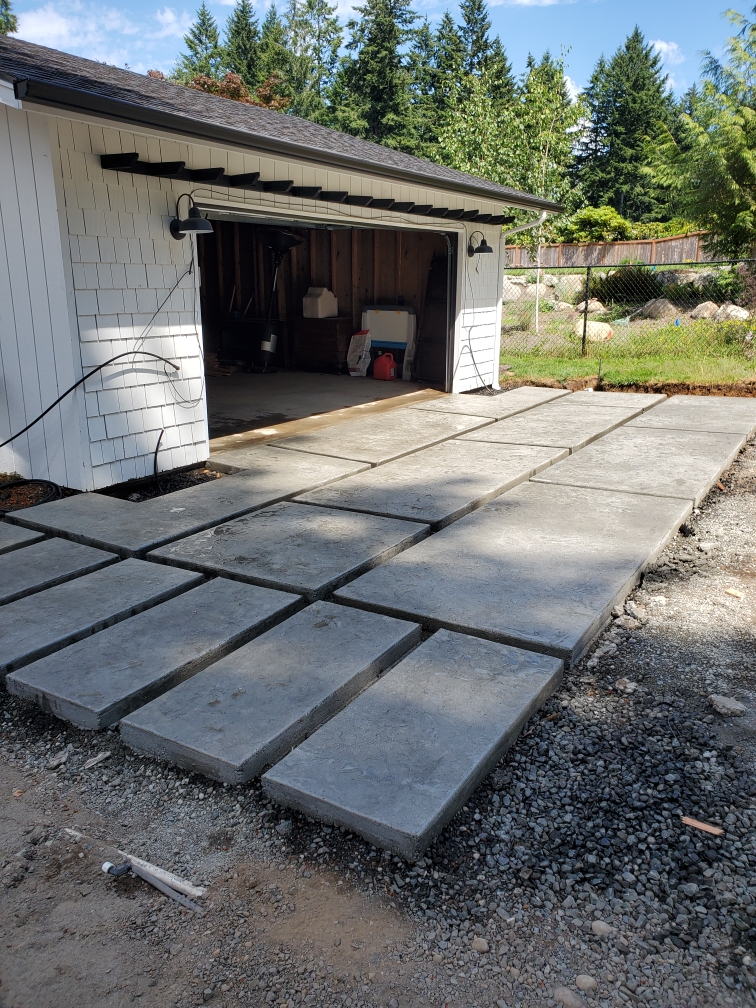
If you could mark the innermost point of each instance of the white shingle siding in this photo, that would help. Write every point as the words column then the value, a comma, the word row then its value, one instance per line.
column 113, row 251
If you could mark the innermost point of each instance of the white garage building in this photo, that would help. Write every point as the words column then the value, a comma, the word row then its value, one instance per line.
column 92, row 163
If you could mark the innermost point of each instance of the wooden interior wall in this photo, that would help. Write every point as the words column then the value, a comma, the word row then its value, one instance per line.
column 361, row 267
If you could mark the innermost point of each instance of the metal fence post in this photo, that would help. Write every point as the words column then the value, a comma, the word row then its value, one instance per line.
column 583, row 348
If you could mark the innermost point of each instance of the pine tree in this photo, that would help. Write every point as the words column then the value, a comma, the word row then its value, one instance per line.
column 371, row 94
column 428, row 97
column 450, row 61
column 206, row 55
column 498, row 70
column 474, row 30
column 313, row 39
column 8, row 20
column 627, row 101
column 243, row 44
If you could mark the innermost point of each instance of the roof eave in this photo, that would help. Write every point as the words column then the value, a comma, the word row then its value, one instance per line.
column 76, row 100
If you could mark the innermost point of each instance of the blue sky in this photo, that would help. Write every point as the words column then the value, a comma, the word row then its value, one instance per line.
column 144, row 36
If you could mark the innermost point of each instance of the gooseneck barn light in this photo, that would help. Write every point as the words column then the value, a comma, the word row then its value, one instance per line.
column 195, row 223
column 482, row 248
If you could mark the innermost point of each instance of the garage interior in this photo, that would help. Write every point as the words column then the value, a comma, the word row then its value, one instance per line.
column 362, row 267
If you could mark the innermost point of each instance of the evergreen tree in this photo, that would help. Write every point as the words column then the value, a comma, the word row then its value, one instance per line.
column 371, row 94
column 313, row 39
column 243, row 44
column 272, row 52
column 498, row 71
column 428, row 98
column 8, row 20
column 206, row 55
column 627, row 100
column 474, row 30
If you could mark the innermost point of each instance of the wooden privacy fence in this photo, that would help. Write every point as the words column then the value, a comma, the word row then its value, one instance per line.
column 654, row 251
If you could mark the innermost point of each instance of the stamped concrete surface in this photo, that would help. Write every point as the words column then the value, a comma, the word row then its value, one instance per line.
column 540, row 567
column 248, row 710
column 496, row 406
column 399, row 762
column 718, row 414
column 590, row 398
column 33, row 627
column 98, row 680
column 131, row 529
column 12, row 537
column 47, row 563
column 386, row 436
column 660, row 463
column 438, row 485
column 294, row 547
column 557, row 425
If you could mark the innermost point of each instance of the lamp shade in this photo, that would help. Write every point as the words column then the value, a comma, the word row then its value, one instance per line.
column 483, row 247
column 195, row 223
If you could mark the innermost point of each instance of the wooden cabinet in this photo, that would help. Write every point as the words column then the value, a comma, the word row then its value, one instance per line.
column 320, row 344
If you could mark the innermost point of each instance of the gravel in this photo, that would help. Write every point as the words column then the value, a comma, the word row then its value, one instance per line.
column 569, row 877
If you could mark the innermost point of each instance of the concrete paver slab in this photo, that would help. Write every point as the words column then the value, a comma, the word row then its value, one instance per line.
column 132, row 529
column 540, row 567
column 590, row 398
column 33, row 627
column 47, row 563
column 438, row 485
column 12, row 537
column 249, row 709
column 379, row 439
column 497, row 406
column 718, row 414
column 661, row 463
column 98, row 680
column 558, row 425
column 401, row 759
column 294, row 547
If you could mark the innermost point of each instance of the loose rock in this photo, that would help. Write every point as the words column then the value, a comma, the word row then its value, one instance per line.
column 727, row 706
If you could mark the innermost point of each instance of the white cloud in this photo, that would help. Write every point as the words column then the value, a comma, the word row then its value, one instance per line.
column 669, row 52
column 529, row 3
column 573, row 89
column 106, row 34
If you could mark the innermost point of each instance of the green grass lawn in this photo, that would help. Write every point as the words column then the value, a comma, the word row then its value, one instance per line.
column 631, row 370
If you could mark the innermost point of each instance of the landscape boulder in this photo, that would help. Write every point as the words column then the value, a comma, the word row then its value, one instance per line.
column 594, row 307
column 706, row 310
column 730, row 312
column 595, row 332
column 563, row 306
column 659, row 308
column 511, row 291
column 569, row 287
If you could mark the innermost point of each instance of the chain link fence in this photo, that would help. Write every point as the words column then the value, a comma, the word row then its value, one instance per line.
column 633, row 313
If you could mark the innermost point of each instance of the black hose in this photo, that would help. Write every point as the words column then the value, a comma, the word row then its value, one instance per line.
column 128, row 353
column 53, row 494
column 154, row 461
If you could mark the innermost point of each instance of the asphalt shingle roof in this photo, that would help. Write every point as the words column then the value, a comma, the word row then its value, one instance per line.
column 61, row 80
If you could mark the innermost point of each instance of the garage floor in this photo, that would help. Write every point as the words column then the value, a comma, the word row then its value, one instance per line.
column 513, row 575
column 242, row 402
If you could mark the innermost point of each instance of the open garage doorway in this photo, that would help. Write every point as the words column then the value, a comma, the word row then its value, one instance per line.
column 407, row 272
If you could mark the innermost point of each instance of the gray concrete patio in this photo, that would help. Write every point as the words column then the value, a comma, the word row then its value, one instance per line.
column 229, row 623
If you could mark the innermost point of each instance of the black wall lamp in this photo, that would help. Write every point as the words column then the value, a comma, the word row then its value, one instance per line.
column 195, row 223
column 481, row 249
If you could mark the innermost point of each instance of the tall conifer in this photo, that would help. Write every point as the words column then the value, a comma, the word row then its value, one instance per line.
column 206, row 55
column 242, row 54
column 8, row 20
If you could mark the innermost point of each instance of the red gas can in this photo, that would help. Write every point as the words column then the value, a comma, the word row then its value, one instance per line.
column 384, row 368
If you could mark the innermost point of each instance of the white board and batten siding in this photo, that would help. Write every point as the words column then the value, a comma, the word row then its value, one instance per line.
column 110, row 264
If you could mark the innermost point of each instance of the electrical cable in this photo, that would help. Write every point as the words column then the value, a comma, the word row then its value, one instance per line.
column 54, row 493
column 154, row 461
column 127, row 353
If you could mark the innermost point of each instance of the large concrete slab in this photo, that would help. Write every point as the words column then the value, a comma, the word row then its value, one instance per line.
column 33, row 627
column 131, row 529
column 556, row 425
column 293, row 547
column 47, row 563
column 248, row 710
column 399, row 762
column 97, row 681
column 588, row 397
column 379, row 439
column 438, row 485
column 660, row 463
column 12, row 537
column 717, row 414
column 497, row 406
column 540, row 567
